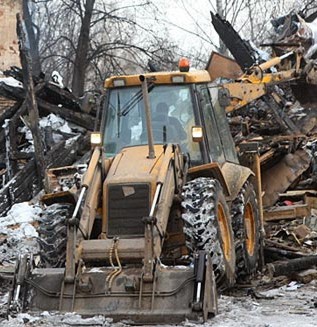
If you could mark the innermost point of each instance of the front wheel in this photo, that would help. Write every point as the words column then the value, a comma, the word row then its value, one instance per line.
column 207, row 226
column 52, row 238
column 246, row 227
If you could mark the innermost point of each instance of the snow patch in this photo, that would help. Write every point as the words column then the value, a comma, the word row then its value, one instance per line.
column 71, row 141
column 95, row 270
column 57, row 123
column 11, row 82
column 20, row 213
column 60, row 131
column 18, row 233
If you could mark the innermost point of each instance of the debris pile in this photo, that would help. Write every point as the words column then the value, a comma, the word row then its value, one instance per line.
column 63, row 129
column 283, row 129
column 285, row 132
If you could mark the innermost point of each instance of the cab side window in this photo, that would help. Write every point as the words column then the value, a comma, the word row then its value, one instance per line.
column 211, row 128
column 223, row 127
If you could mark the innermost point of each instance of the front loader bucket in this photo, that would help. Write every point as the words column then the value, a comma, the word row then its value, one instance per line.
column 169, row 298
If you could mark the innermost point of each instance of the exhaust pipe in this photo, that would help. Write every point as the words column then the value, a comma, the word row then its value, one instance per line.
column 147, row 116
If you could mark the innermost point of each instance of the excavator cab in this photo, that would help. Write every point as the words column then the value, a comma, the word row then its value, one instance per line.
column 172, row 114
column 185, row 105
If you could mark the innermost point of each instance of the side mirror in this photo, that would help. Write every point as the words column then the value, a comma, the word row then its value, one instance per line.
column 197, row 133
column 95, row 139
column 224, row 97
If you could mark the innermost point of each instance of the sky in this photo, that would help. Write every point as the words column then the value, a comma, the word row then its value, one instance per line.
column 189, row 18
column 182, row 19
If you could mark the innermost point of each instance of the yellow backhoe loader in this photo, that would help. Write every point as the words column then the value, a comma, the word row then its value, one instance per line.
column 165, row 215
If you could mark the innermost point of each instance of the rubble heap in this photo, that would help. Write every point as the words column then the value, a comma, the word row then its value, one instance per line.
column 63, row 127
column 287, row 142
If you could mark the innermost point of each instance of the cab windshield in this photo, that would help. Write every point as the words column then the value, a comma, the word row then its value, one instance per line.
column 172, row 118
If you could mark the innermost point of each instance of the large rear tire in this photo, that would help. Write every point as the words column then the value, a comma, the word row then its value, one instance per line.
column 53, row 235
column 207, row 226
column 246, row 228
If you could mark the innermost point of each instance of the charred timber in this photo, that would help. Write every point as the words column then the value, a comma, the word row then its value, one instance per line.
column 24, row 185
column 274, row 254
column 50, row 92
column 80, row 118
column 287, row 268
column 9, row 112
column 240, row 49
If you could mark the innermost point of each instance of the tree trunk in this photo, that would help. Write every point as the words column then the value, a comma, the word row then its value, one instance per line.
column 80, row 64
column 250, row 15
column 222, row 47
column 30, row 99
column 34, row 40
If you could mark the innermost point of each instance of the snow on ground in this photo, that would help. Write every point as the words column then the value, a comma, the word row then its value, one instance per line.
column 291, row 305
column 49, row 319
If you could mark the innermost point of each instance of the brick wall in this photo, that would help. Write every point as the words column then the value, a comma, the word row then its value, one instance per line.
column 9, row 54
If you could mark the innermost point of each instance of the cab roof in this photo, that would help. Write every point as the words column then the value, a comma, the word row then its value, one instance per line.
column 195, row 76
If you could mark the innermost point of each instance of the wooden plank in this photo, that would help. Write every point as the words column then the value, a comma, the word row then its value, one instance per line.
column 308, row 196
column 49, row 92
column 267, row 156
column 6, row 198
column 273, row 99
column 274, row 254
column 287, row 212
column 296, row 193
column 5, row 202
column 64, row 155
column 12, row 145
column 27, row 186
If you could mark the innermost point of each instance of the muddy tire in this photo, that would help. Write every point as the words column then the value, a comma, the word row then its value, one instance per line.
column 53, row 235
column 246, row 228
column 207, row 226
